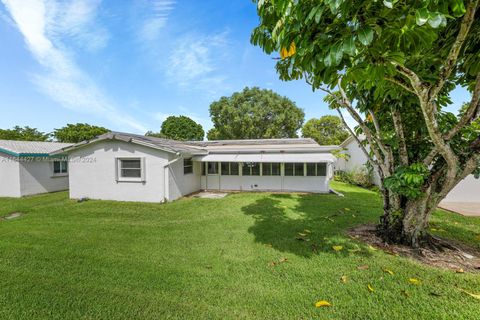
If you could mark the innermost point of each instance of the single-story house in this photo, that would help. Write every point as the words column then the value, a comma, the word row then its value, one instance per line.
column 27, row 168
column 467, row 191
column 129, row 167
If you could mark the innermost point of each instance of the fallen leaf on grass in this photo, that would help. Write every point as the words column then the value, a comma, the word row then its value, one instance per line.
column 473, row 295
column 354, row 250
column 405, row 293
column 347, row 209
column 302, row 234
column 362, row 267
column 322, row 303
column 337, row 248
column 307, row 231
column 344, row 279
column 435, row 294
column 283, row 260
column 414, row 281
column 302, row 238
column 372, row 248
column 370, row 288
column 269, row 245
column 459, row 271
column 477, row 237
column 390, row 272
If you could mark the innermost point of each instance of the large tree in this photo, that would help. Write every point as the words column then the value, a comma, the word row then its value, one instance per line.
column 327, row 130
column 23, row 134
column 391, row 65
column 180, row 128
column 74, row 133
column 255, row 114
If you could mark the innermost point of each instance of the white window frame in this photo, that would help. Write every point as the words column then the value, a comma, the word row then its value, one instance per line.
column 63, row 170
column 118, row 170
column 187, row 166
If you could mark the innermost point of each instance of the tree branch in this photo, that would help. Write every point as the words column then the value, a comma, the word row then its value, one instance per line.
column 397, row 123
column 470, row 113
column 401, row 84
column 449, row 64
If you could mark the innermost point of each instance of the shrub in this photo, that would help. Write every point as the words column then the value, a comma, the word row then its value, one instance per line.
column 359, row 176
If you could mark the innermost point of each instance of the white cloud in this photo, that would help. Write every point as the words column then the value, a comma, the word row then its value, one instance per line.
column 196, row 62
column 155, row 18
column 63, row 80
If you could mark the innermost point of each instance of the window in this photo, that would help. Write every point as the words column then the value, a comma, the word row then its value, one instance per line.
column 187, row 166
column 294, row 169
column 131, row 169
column 251, row 169
column 212, row 167
column 317, row 169
column 229, row 168
column 60, row 167
column 270, row 169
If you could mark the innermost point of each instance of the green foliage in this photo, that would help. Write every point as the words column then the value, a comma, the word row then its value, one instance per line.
column 408, row 180
column 328, row 130
column 254, row 114
column 74, row 133
column 23, row 134
column 155, row 134
column 361, row 177
column 181, row 128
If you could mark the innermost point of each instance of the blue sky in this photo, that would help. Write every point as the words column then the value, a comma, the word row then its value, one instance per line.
column 127, row 65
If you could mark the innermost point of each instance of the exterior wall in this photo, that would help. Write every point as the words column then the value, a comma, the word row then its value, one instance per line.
column 356, row 161
column 9, row 176
column 466, row 191
column 37, row 177
column 267, row 183
column 93, row 172
column 181, row 184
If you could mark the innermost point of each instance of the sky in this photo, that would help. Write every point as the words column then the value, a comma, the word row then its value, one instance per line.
column 128, row 64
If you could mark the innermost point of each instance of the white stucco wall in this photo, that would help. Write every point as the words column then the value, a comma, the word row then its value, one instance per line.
column 466, row 191
column 9, row 176
column 181, row 184
column 93, row 172
column 356, row 161
column 37, row 177
column 266, row 183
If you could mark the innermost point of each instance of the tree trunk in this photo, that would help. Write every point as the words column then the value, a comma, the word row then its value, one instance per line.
column 405, row 221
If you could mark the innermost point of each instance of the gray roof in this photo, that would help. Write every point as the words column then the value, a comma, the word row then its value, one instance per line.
column 171, row 146
column 206, row 147
column 30, row 148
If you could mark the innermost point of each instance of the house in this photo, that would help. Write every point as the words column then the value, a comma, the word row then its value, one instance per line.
column 27, row 168
column 129, row 167
column 467, row 191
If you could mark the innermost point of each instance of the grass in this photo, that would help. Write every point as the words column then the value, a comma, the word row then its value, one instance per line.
column 212, row 259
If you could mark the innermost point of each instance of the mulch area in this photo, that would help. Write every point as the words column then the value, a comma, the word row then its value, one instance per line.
column 450, row 255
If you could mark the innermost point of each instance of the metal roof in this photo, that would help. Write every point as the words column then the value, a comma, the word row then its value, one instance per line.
column 30, row 148
column 167, row 145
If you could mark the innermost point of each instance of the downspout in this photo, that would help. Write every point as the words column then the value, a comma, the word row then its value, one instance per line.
column 166, row 189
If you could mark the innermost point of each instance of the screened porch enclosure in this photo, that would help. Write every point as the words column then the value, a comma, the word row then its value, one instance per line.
column 308, row 173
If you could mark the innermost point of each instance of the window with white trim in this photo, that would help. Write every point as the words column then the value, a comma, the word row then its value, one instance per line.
column 60, row 167
column 187, row 166
column 229, row 168
column 251, row 169
column 131, row 169
column 317, row 169
column 271, row 169
column 212, row 167
column 294, row 169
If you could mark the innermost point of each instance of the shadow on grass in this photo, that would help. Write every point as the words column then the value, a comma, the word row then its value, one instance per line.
column 307, row 224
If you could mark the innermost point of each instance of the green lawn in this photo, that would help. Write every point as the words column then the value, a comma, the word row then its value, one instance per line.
column 212, row 259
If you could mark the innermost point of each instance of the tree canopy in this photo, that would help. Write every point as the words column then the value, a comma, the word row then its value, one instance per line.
column 180, row 128
column 23, row 134
column 74, row 133
column 255, row 113
column 327, row 130
column 390, row 65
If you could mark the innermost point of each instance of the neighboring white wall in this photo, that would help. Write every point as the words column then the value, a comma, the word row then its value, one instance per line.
column 266, row 183
column 93, row 172
column 357, row 160
column 468, row 190
column 9, row 176
column 181, row 184
column 37, row 177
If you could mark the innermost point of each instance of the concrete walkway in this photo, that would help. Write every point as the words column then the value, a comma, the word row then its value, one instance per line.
column 471, row 209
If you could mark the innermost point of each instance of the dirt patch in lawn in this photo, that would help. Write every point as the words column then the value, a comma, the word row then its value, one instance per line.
column 11, row 216
column 452, row 254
